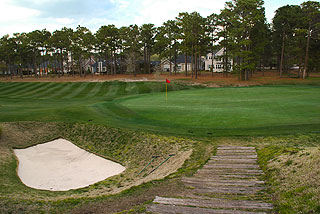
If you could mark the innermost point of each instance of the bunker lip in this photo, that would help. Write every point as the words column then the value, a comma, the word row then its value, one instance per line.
column 59, row 165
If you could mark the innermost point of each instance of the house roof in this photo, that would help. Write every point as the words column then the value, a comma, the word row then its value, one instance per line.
column 182, row 59
column 155, row 63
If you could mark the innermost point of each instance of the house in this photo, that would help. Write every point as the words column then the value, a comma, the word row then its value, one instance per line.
column 88, row 64
column 181, row 64
column 99, row 67
column 215, row 61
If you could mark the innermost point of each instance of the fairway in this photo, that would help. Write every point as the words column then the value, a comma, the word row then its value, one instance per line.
column 142, row 105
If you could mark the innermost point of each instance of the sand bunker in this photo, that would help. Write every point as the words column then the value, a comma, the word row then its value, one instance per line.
column 59, row 165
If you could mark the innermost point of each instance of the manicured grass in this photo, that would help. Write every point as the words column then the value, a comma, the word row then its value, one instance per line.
column 260, row 110
column 234, row 111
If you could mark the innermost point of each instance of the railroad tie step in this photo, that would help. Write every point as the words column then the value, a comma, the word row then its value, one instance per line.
column 237, row 171
column 231, row 161
column 226, row 189
column 215, row 203
column 235, row 153
column 237, row 156
column 226, row 176
column 236, row 148
column 173, row 209
column 216, row 181
column 231, row 166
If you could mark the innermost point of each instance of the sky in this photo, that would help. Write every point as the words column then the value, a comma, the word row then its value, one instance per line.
column 18, row 16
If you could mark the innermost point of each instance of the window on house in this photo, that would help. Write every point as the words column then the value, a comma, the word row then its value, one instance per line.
column 218, row 66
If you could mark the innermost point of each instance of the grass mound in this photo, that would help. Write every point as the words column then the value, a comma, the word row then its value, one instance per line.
column 296, row 181
column 291, row 171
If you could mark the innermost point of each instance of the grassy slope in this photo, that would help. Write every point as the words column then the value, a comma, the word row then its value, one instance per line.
column 202, row 112
column 291, row 170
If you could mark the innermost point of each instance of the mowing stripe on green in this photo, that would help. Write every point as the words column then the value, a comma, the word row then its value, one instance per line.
column 62, row 91
column 105, row 87
column 16, row 88
column 5, row 85
column 85, row 90
column 76, row 89
column 122, row 89
column 50, row 88
column 31, row 91
column 112, row 90
column 94, row 90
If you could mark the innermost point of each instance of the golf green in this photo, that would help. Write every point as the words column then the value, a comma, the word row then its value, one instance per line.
column 208, row 112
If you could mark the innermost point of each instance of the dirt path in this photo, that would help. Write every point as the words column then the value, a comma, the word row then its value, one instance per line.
column 228, row 183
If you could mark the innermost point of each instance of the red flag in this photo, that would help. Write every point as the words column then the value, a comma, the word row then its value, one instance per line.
column 167, row 81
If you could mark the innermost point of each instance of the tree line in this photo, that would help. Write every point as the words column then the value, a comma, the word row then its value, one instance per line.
column 241, row 29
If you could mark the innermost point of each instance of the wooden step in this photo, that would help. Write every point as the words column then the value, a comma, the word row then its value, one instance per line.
column 220, row 184
column 219, row 181
column 231, row 161
column 173, row 209
column 202, row 188
column 215, row 203
column 213, row 171
column 227, row 176
column 231, row 166
column 228, row 156
column 236, row 152
column 236, row 147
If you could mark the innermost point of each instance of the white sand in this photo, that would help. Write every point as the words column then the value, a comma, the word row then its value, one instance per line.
column 59, row 165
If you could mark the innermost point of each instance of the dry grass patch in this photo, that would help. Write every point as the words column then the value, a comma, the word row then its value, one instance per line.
column 296, row 178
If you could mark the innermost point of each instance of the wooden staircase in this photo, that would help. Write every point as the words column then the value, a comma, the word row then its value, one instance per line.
column 228, row 184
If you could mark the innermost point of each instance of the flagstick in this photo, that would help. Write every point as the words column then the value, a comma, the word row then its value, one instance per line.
column 166, row 92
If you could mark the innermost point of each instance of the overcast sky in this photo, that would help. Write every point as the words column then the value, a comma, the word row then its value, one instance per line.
column 28, row 15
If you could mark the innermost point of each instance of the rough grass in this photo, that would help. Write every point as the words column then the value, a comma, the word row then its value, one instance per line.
column 296, row 181
column 291, row 165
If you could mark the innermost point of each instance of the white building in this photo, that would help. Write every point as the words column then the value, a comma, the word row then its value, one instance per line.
column 216, row 60
column 181, row 64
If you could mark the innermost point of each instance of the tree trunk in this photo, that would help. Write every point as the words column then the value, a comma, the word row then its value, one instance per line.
column 21, row 74
column 175, row 62
column 149, row 60
column 72, row 67
column 186, row 63
column 307, row 53
column 192, row 68
column 61, row 63
column 91, row 69
column 106, row 64
column 35, row 65
column 170, row 64
column 212, row 61
column 282, row 54
column 196, row 65
column 80, row 67
column 145, row 58
column 300, row 67
column 115, row 62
